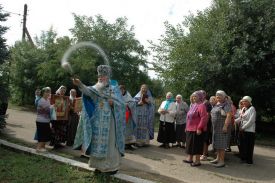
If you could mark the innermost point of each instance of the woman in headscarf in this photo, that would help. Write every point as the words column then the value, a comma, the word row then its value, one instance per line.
column 145, row 116
column 180, row 119
column 73, row 119
column 247, row 121
column 60, row 126
column 130, row 138
column 167, row 111
column 221, row 119
column 195, row 125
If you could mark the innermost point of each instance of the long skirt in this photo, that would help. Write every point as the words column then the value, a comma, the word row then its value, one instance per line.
column 59, row 131
column 194, row 143
column 180, row 133
column 72, row 127
column 166, row 132
column 43, row 132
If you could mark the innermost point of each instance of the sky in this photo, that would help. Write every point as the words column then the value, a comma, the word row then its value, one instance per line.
column 147, row 16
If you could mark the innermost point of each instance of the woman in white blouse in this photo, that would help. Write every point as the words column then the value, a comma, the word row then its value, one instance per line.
column 247, row 122
column 167, row 111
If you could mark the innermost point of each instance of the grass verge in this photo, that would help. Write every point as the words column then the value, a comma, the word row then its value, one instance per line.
column 20, row 167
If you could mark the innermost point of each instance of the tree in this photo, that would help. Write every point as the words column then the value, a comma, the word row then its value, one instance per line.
column 4, row 54
column 126, row 55
column 40, row 66
column 228, row 46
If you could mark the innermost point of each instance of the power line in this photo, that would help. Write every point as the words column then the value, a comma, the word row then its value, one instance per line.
column 12, row 13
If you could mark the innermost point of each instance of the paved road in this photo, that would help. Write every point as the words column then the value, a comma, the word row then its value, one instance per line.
column 165, row 165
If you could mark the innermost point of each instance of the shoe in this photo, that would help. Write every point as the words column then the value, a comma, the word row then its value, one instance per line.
column 111, row 173
column 162, row 145
column 203, row 158
column 51, row 144
column 97, row 171
column 177, row 145
column 134, row 147
column 215, row 161
column 129, row 147
column 219, row 165
column 187, row 161
column 228, row 149
column 195, row 164
column 57, row 146
column 84, row 156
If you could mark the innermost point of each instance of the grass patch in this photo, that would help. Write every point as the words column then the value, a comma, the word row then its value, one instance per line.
column 21, row 167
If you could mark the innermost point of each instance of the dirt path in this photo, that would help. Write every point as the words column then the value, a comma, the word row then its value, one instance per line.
column 165, row 165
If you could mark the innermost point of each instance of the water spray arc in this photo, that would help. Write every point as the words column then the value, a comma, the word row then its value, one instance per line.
column 65, row 63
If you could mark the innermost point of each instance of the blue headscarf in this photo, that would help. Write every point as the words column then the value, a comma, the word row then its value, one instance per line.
column 169, row 101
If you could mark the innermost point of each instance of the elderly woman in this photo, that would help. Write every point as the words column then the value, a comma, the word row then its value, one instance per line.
column 59, row 127
column 221, row 119
column 182, row 109
column 43, row 130
column 167, row 111
column 145, row 110
column 196, row 123
column 73, row 119
column 247, row 121
column 240, row 111
column 130, row 114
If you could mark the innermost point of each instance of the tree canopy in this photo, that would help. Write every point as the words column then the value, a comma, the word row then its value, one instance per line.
column 40, row 66
column 229, row 46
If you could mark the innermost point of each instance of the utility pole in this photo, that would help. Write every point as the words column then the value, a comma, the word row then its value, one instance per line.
column 24, row 22
column 25, row 30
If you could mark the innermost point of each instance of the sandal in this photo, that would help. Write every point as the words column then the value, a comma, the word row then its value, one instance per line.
column 187, row 161
column 195, row 164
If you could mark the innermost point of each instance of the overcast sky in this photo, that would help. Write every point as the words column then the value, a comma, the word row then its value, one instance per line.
column 147, row 16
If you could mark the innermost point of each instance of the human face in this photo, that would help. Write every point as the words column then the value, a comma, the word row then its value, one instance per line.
column 122, row 91
column 143, row 89
column 195, row 98
column 168, row 96
column 246, row 104
column 62, row 91
column 220, row 99
column 178, row 99
column 47, row 94
column 213, row 101
column 103, row 80
column 73, row 93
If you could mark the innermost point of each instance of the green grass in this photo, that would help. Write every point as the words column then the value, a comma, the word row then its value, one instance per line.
column 18, row 167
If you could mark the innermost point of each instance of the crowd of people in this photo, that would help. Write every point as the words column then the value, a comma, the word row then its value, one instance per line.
column 215, row 121
column 111, row 120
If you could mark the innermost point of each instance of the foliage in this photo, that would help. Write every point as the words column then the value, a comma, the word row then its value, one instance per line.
column 4, row 54
column 24, row 60
column 39, row 66
column 229, row 46
column 126, row 55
